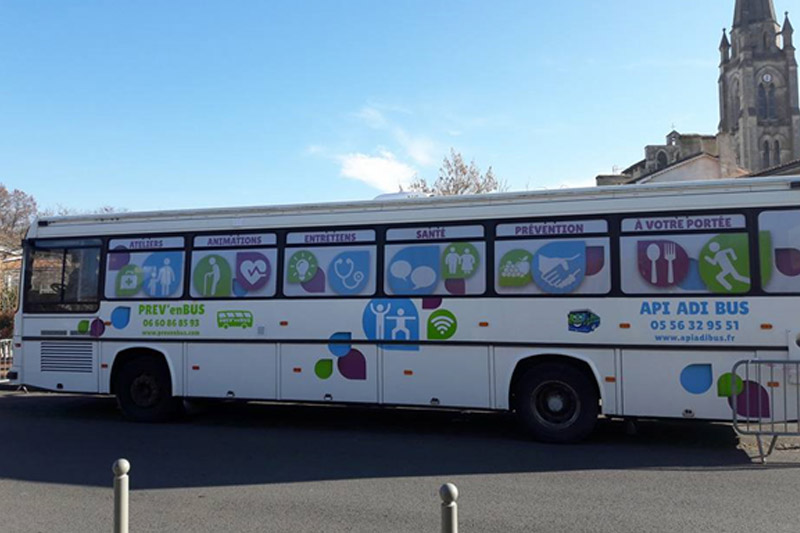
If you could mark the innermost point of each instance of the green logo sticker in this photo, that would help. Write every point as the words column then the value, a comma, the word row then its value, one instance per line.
column 729, row 385
column 212, row 276
column 324, row 368
column 129, row 280
column 724, row 264
column 302, row 267
column 442, row 325
column 460, row 260
column 234, row 319
column 515, row 269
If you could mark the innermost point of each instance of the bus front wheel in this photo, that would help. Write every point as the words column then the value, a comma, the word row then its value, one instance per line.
column 556, row 403
column 144, row 391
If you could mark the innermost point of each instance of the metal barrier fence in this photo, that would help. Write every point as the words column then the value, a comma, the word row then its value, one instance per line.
column 765, row 399
column 6, row 357
column 448, row 493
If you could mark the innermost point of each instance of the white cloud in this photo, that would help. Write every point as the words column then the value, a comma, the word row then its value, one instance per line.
column 372, row 117
column 315, row 149
column 384, row 171
column 419, row 148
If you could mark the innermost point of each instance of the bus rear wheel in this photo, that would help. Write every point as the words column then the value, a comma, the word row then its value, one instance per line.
column 144, row 391
column 556, row 403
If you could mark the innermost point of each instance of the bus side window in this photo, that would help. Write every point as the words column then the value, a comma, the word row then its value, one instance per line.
column 779, row 250
column 330, row 271
column 81, row 272
column 705, row 263
column 45, row 282
column 63, row 278
column 435, row 268
column 553, row 266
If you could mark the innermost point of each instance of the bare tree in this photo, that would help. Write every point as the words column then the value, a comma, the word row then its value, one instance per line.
column 17, row 211
column 456, row 177
column 62, row 211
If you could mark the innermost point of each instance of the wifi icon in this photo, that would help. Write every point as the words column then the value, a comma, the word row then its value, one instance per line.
column 442, row 325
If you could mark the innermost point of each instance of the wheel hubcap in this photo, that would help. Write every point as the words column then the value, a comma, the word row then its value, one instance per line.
column 555, row 404
column 144, row 390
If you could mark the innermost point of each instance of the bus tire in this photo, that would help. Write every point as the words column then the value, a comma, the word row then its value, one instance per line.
column 144, row 391
column 557, row 403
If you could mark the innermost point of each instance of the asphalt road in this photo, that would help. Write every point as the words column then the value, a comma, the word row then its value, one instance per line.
column 256, row 467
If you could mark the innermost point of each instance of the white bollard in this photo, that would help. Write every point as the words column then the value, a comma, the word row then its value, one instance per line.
column 449, row 494
column 121, row 468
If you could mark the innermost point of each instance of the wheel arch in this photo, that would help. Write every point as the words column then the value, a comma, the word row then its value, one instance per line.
column 575, row 360
column 130, row 353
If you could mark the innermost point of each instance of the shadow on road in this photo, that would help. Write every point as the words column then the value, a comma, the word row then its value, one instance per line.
column 74, row 439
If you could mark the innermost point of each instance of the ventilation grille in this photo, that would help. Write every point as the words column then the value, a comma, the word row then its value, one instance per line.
column 67, row 357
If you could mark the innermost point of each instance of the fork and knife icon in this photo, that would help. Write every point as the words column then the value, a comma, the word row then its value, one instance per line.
column 668, row 252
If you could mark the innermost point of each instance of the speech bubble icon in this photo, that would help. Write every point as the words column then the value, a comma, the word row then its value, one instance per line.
column 423, row 276
column 400, row 269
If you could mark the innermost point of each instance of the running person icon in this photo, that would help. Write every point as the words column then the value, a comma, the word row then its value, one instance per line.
column 724, row 259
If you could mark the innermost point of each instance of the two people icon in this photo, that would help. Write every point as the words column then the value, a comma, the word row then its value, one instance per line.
column 463, row 263
column 161, row 278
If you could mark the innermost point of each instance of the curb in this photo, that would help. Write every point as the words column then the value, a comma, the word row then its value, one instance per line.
column 6, row 385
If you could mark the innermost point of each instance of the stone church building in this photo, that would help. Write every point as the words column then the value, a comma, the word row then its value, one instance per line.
column 759, row 128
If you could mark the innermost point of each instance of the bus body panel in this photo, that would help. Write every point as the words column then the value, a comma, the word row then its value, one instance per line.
column 453, row 376
column 62, row 365
column 225, row 370
column 313, row 372
column 662, row 351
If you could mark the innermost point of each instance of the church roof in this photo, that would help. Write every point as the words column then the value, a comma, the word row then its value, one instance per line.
column 681, row 162
column 753, row 11
column 784, row 169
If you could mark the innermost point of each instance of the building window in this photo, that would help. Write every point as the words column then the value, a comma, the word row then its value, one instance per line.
column 661, row 160
column 762, row 101
column 777, row 157
column 765, row 155
column 772, row 110
column 735, row 107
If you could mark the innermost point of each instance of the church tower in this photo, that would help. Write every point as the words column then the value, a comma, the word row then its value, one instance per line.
column 759, row 114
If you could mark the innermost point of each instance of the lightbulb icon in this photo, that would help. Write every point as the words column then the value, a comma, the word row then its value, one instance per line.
column 302, row 267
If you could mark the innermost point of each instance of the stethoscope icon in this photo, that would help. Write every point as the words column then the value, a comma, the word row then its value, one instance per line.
column 355, row 278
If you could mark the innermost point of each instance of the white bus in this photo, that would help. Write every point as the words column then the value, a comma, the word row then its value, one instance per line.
column 561, row 306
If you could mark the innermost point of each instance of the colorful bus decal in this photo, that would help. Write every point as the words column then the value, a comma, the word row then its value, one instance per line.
column 689, row 263
column 350, row 362
column 234, row 319
column 444, row 268
column 144, row 274
column 749, row 398
column 583, row 321
column 233, row 273
column 330, row 271
column 575, row 266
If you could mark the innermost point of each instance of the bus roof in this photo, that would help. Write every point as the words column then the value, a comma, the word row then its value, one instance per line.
column 541, row 203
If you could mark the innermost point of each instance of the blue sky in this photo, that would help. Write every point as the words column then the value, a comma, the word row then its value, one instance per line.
column 179, row 104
